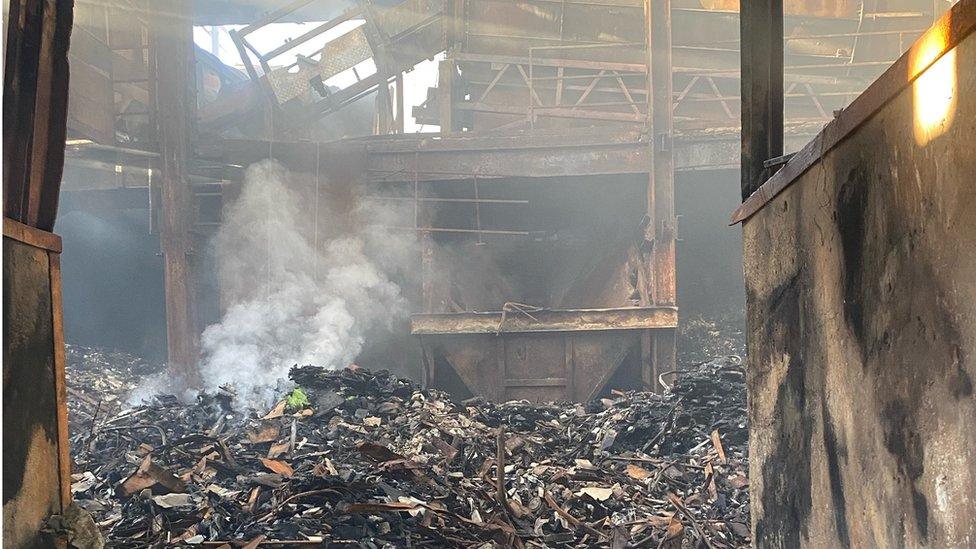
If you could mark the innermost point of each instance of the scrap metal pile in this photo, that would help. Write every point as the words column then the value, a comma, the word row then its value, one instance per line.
column 354, row 458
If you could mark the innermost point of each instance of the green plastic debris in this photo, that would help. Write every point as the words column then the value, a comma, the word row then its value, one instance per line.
column 297, row 399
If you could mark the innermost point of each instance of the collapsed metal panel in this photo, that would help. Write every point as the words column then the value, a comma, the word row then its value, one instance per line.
column 303, row 87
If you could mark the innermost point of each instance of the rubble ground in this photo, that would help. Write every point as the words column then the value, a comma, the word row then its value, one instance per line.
column 365, row 459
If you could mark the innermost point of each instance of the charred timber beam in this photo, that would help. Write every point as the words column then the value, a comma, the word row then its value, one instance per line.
column 761, row 29
column 546, row 320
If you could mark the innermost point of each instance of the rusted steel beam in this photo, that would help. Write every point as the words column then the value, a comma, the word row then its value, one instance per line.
column 35, row 106
column 251, row 150
column 391, row 159
column 565, row 63
column 173, row 36
column 513, row 163
column 534, row 140
column 554, row 112
column 400, row 158
column 537, row 382
column 383, row 111
column 543, row 155
column 761, row 29
column 658, row 281
column 662, row 127
column 545, row 320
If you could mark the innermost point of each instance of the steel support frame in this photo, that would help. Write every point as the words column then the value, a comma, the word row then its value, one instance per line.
column 761, row 29
column 588, row 77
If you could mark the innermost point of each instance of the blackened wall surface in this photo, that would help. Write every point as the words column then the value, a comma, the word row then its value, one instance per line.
column 861, row 290
column 31, row 486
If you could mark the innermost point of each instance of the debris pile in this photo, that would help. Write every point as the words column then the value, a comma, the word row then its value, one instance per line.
column 98, row 382
column 354, row 458
column 719, row 333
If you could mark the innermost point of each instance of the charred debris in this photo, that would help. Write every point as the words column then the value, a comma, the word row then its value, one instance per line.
column 354, row 458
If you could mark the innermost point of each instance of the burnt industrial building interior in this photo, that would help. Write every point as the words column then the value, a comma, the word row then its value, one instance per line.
column 489, row 273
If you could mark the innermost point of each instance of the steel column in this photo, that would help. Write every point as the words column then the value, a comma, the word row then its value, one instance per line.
column 35, row 105
column 761, row 29
column 659, row 288
column 173, row 35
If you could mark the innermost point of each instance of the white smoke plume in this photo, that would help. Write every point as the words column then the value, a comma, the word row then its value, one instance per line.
column 306, row 280
column 290, row 301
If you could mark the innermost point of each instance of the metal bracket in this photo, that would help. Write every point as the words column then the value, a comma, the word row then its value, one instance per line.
column 663, row 142
column 779, row 160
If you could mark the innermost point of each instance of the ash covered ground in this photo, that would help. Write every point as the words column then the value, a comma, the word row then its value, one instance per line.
column 356, row 458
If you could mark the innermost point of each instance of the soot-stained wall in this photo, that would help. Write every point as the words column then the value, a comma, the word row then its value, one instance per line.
column 861, row 290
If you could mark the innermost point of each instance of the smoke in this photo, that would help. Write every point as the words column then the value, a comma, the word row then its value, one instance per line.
column 306, row 279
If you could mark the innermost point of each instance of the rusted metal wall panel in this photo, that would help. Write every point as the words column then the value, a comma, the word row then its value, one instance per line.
column 36, row 482
column 861, row 289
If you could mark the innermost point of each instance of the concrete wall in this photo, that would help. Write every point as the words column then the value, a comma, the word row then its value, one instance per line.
column 861, row 290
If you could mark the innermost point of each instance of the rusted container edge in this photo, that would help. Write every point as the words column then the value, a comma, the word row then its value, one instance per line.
column 545, row 320
column 32, row 236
